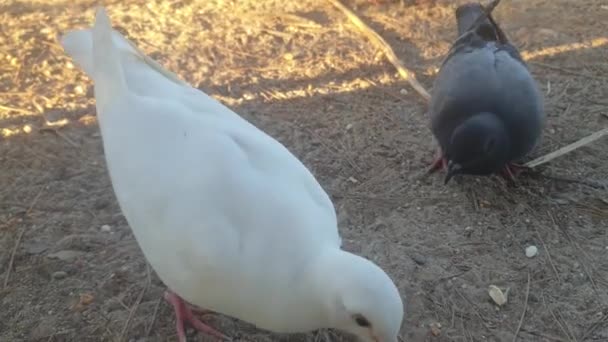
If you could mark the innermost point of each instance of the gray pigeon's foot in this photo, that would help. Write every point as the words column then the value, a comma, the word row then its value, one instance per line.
column 512, row 170
column 183, row 314
column 440, row 163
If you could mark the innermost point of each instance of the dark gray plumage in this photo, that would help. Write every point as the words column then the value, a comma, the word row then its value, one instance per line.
column 486, row 110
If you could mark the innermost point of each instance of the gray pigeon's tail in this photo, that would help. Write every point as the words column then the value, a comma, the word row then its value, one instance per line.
column 468, row 19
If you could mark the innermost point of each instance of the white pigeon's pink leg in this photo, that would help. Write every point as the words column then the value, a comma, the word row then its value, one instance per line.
column 184, row 314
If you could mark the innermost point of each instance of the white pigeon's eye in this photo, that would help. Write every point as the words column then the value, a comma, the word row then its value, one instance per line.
column 361, row 320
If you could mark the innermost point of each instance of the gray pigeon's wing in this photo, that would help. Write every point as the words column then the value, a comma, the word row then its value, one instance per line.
column 521, row 102
column 488, row 79
column 466, row 84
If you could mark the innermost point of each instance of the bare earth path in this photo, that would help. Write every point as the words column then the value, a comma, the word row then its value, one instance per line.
column 300, row 71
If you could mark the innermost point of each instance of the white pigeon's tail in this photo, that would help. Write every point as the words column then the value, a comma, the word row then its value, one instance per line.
column 78, row 44
column 110, row 83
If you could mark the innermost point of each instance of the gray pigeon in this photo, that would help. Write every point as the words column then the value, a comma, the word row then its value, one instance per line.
column 486, row 110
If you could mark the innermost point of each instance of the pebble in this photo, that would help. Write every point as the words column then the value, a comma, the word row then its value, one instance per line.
column 106, row 228
column 34, row 247
column 44, row 329
column 59, row 275
column 435, row 328
column 499, row 297
column 531, row 251
column 419, row 259
column 66, row 255
column 79, row 89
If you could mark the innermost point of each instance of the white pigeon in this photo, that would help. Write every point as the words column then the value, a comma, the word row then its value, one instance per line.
column 228, row 218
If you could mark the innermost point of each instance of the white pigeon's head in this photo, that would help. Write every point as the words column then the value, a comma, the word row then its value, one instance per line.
column 365, row 301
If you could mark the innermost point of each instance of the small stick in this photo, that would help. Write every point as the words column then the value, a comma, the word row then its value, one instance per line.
column 61, row 135
column 559, row 279
column 380, row 43
column 559, row 324
column 567, row 149
column 14, row 251
column 132, row 313
column 566, row 71
column 153, row 319
column 136, row 305
column 594, row 327
column 12, row 259
column 591, row 184
column 13, row 109
column 523, row 314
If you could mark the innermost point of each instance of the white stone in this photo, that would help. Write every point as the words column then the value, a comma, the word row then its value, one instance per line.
column 531, row 251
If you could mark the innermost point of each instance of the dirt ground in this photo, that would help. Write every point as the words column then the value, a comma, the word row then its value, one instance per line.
column 70, row 269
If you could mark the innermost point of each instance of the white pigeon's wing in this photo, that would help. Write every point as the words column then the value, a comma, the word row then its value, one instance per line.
column 238, row 210
column 224, row 213
column 79, row 45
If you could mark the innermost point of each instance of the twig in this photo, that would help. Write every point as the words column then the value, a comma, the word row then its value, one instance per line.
column 559, row 324
column 34, row 201
column 567, row 149
column 59, row 134
column 13, row 109
column 14, row 251
column 577, row 248
column 570, row 333
column 12, row 259
column 380, row 43
column 523, row 314
column 566, row 71
column 483, row 320
column 591, row 184
column 543, row 335
column 594, row 327
column 548, row 255
column 136, row 305
column 153, row 319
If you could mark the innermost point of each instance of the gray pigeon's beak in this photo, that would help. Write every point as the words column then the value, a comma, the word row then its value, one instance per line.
column 453, row 169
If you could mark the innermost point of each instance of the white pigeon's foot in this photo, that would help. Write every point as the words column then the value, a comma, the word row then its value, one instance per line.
column 184, row 314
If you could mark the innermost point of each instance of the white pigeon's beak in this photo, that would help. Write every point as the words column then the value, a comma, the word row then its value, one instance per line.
column 375, row 338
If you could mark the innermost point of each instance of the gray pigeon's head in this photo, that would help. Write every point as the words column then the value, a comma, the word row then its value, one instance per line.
column 478, row 146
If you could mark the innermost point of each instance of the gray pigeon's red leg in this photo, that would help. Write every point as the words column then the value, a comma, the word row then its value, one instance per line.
column 439, row 163
column 512, row 170
column 183, row 314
